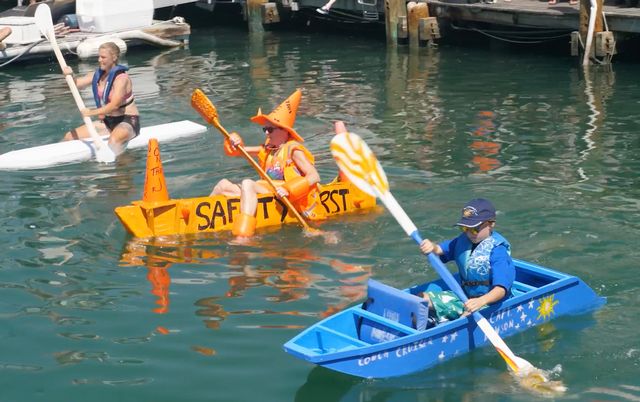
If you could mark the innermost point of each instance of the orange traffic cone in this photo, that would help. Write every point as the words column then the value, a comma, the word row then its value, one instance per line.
column 155, row 187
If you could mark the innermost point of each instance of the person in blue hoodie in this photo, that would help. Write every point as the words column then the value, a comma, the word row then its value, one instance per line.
column 483, row 257
column 113, row 94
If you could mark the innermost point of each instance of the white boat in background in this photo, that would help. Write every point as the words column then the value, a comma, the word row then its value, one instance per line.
column 83, row 25
column 83, row 150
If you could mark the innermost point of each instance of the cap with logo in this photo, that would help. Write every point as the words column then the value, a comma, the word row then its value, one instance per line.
column 477, row 211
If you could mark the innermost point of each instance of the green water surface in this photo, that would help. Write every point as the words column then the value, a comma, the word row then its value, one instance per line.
column 88, row 313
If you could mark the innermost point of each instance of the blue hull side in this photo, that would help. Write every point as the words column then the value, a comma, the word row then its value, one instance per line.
column 543, row 295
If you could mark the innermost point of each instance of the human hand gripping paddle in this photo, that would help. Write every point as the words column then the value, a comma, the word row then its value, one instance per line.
column 207, row 110
column 356, row 160
column 45, row 24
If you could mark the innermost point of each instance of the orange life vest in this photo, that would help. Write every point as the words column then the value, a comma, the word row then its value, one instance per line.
column 280, row 167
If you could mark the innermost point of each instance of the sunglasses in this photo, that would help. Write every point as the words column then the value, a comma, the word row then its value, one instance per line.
column 474, row 231
column 269, row 130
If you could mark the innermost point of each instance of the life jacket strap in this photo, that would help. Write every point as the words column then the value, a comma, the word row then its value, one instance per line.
column 476, row 283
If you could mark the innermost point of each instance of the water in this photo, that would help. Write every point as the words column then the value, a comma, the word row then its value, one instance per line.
column 89, row 313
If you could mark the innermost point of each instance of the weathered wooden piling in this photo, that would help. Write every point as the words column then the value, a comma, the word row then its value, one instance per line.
column 416, row 12
column 395, row 10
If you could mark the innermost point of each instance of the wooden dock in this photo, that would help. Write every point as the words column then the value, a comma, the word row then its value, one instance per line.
column 418, row 22
column 533, row 14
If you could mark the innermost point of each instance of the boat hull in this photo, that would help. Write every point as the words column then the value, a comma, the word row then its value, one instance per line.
column 540, row 294
column 216, row 214
column 83, row 150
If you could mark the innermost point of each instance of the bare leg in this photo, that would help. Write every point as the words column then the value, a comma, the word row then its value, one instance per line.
column 120, row 136
column 83, row 132
column 325, row 9
column 249, row 196
column 225, row 187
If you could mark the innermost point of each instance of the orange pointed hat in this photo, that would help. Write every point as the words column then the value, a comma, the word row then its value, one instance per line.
column 284, row 116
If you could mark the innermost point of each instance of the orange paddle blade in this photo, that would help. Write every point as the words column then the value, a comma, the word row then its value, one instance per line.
column 203, row 105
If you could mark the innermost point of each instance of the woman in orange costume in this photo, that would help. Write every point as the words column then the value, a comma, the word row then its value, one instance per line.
column 283, row 157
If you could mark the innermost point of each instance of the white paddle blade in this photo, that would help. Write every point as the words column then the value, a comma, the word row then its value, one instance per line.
column 44, row 22
column 104, row 154
column 356, row 160
column 515, row 363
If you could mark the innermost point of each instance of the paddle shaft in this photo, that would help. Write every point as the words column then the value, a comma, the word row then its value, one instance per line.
column 262, row 174
column 45, row 25
column 410, row 228
column 74, row 91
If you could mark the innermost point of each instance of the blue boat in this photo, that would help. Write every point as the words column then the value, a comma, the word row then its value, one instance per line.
column 391, row 333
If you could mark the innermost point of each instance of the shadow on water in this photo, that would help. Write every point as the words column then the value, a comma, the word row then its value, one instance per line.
column 477, row 376
column 446, row 383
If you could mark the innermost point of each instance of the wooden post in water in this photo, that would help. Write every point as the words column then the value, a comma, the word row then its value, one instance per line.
column 254, row 15
column 415, row 12
column 393, row 10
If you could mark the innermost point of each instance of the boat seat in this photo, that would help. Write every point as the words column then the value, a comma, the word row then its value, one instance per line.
column 391, row 304
column 519, row 288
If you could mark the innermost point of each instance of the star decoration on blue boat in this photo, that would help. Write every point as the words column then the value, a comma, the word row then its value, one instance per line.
column 523, row 316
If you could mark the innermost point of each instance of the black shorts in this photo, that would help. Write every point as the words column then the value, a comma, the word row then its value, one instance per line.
column 112, row 121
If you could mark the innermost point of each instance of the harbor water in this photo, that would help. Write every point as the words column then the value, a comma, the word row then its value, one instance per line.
column 89, row 313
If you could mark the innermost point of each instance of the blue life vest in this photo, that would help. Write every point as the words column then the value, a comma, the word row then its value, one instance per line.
column 475, row 267
column 117, row 69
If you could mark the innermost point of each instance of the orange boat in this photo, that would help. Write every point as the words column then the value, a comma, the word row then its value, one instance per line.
column 157, row 215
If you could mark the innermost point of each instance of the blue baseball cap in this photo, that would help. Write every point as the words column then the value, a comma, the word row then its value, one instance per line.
column 477, row 211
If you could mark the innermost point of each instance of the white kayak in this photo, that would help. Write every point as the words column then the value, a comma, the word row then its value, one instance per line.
column 84, row 150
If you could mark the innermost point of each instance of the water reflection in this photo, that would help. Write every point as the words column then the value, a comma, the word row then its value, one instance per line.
column 291, row 274
column 560, row 154
column 483, row 148
column 21, row 103
column 440, row 384
column 597, row 89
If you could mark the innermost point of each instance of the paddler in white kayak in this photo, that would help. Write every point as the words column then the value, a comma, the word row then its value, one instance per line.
column 113, row 94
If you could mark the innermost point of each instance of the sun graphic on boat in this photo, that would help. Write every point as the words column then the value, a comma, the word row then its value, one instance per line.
column 545, row 310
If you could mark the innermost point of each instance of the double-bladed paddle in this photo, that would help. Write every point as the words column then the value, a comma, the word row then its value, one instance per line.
column 207, row 110
column 44, row 22
column 356, row 160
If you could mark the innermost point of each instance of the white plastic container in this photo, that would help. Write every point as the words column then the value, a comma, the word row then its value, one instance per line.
column 113, row 15
column 23, row 30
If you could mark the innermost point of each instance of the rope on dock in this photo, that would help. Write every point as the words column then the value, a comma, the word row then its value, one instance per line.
column 532, row 40
column 340, row 16
column 25, row 51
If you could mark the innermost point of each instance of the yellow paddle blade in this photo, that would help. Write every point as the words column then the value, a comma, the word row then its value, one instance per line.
column 203, row 105
column 538, row 382
column 356, row 160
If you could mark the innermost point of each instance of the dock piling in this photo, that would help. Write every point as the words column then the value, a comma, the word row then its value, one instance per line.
column 254, row 15
column 416, row 11
column 394, row 10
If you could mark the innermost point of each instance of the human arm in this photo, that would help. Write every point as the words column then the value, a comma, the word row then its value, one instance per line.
column 234, row 141
column 82, row 81
column 502, row 276
column 428, row 247
column 476, row 303
column 443, row 249
column 310, row 177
